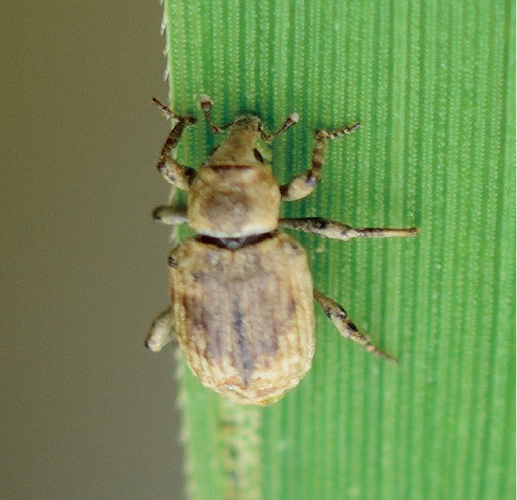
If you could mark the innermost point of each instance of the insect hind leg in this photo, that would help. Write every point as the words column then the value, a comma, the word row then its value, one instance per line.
column 160, row 332
column 346, row 328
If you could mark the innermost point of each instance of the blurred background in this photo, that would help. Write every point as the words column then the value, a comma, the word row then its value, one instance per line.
column 86, row 411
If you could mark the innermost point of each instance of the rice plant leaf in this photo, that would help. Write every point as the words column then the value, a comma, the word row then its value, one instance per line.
column 433, row 84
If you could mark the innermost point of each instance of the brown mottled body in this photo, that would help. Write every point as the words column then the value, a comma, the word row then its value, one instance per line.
column 235, row 339
column 241, row 291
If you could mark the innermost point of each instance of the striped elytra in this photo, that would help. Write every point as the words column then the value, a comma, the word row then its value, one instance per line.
column 244, row 319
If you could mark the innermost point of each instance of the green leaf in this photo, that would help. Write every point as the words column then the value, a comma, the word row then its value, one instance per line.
column 433, row 83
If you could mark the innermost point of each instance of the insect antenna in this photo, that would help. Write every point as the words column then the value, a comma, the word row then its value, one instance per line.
column 206, row 106
column 289, row 122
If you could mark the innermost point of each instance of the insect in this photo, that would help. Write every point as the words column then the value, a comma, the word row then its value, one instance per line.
column 241, row 290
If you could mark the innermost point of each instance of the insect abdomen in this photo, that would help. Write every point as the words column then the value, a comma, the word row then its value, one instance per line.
column 244, row 319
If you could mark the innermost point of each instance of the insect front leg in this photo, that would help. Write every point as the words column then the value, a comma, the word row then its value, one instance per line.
column 160, row 332
column 304, row 184
column 339, row 231
column 346, row 328
column 173, row 172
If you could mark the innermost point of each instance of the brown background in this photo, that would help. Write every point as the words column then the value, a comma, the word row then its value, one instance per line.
column 86, row 411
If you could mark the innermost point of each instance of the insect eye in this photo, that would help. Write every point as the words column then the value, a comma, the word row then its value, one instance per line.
column 258, row 156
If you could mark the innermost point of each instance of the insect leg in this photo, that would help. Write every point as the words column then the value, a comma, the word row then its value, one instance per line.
column 170, row 215
column 172, row 171
column 304, row 184
column 346, row 328
column 160, row 332
column 339, row 231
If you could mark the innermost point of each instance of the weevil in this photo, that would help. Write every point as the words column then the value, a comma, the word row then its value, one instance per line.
column 241, row 290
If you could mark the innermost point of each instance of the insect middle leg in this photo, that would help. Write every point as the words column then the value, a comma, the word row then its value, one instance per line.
column 339, row 231
column 345, row 327
column 304, row 184
column 171, row 215
column 173, row 172
column 160, row 332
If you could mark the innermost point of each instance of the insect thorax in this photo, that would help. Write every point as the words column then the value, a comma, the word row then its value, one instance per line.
column 234, row 200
